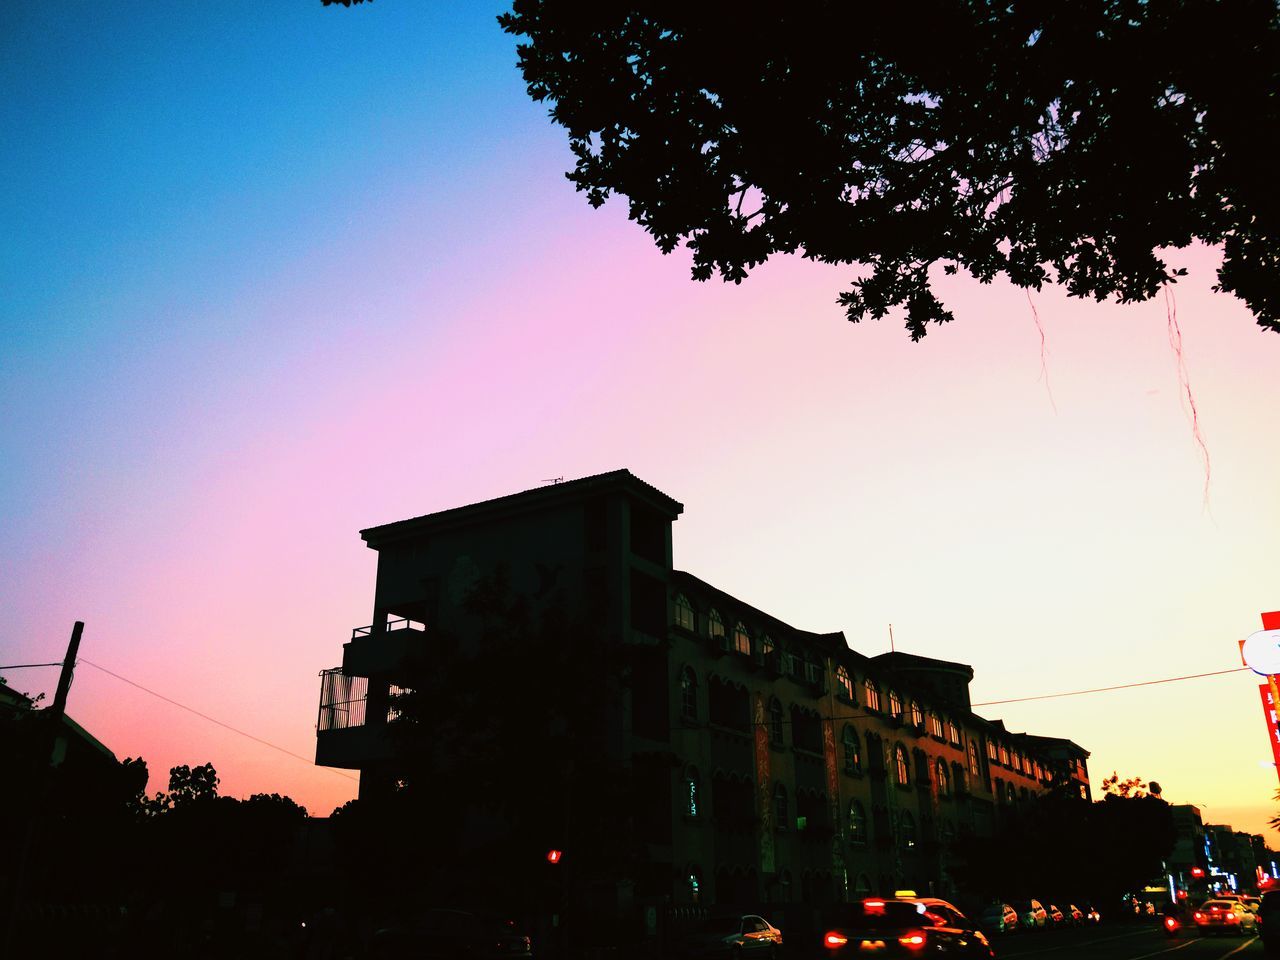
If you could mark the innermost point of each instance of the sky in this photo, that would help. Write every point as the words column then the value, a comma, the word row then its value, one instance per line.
column 274, row 273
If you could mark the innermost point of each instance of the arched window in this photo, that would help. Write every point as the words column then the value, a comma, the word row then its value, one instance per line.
column 766, row 648
column 688, row 694
column 684, row 613
column 857, row 822
column 777, row 722
column 862, row 884
column 692, row 800
column 741, row 640
column 953, row 733
column 991, row 750
column 852, row 758
column 974, row 768
column 895, row 705
column 1004, row 755
column 780, row 814
column 901, row 774
column 907, row 830
column 873, row 694
column 935, row 725
column 917, row 715
column 715, row 625
column 944, row 779
column 844, row 686
column 1015, row 760
column 1013, row 794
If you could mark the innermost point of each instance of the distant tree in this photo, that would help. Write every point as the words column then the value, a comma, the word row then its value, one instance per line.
column 1048, row 143
column 1133, row 787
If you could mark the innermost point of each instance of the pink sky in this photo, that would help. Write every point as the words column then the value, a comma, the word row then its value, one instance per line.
column 190, row 468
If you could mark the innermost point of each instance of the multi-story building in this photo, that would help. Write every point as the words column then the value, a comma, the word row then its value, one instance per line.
column 786, row 765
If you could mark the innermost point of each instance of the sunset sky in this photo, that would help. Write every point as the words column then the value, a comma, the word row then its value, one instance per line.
column 272, row 273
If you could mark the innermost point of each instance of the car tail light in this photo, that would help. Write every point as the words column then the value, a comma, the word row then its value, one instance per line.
column 834, row 939
column 1231, row 917
column 1171, row 922
column 1199, row 915
column 913, row 940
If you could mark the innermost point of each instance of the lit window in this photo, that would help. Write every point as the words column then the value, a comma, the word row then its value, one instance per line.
column 776, row 722
column 873, row 694
column 691, row 792
column 852, row 759
column 1015, row 760
column 766, row 648
column 857, row 822
column 935, row 725
column 741, row 640
column 900, row 766
column 844, row 686
column 695, row 882
column 1013, row 794
column 688, row 694
column 974, row 768
column 991, row 750
column 780, row 807
column 917, row 715
column 1084, row 792
column 895, row 705
column 715, row 625
column 953, row 733
column 1004, row 755
column 684, row 613
column 944, row 780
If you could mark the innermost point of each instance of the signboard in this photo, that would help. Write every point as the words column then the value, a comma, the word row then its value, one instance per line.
column 1273, row 725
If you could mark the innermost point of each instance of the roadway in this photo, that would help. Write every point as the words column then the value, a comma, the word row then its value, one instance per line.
column 1125, row 942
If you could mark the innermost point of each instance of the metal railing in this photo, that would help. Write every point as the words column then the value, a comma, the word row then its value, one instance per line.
column 396, row 623
column 344, row 701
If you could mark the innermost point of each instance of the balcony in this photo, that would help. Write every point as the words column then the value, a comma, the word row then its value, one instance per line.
column 347, row 734
column 375, row 652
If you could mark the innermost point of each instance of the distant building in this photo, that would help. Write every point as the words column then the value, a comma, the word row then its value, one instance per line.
column 787, row 766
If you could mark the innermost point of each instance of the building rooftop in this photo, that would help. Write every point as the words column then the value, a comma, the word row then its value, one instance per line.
column 526, row 501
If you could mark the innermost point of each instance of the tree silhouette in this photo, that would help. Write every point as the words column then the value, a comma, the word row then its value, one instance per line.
column 1048, row 143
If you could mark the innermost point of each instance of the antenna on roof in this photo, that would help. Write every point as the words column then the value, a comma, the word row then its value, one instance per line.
column 554, row 480
column 891, row 649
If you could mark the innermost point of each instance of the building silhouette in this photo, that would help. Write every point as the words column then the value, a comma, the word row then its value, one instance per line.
column 771, row 764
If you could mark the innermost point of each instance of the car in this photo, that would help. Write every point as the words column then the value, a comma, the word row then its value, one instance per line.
column 1269, row 921
column 1251, row 902
column 1225, row 916
column 738, row 935
column 900, row 926
column 1056, row 916
column 1031, row 914
column 999, row 918
column 453, row 934
column 1074, row 915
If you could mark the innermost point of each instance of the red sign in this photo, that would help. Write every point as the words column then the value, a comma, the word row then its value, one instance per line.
column 1273, row 725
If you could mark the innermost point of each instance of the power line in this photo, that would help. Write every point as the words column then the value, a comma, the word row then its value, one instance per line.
column 205, row 716
column 27, row 666
column 1118, row 686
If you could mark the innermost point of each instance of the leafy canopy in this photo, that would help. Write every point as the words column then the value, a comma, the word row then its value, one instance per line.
column 1046, row 142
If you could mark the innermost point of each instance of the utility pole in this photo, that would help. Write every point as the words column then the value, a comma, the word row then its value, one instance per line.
column 43, row 780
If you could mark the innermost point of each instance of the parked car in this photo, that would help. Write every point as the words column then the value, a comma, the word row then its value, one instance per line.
column 1225, row 916
column 452, row 934
column 1074, row 915
column 1056, row 916
column 999, row 918
column 1269, row 921
column 901, row 927
column 1031, row 914
column 734, row 936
